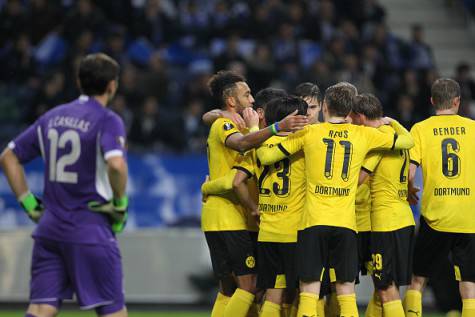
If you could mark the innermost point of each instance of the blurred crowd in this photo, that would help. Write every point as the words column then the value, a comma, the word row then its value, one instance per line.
column 169, row 48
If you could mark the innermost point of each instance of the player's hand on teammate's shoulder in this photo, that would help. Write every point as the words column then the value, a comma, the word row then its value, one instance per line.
column 236, row 118
column 293, row 122
column 387, row 120
column 412, row 196
column 251, row 117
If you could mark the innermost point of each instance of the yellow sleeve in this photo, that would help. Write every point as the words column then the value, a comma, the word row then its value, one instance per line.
column 246, row 163
column 219, row 185
column 415, row 152
column 404, row 140
column 371, row 161
column 225, row 128
column 269, row 153
column 379, row 140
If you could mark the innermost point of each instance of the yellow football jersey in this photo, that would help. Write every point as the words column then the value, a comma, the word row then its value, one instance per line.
column 444, row 148
column 334, row 154
column 388, row 185
column 281, row 188
column 223, row 212
column 363, row 207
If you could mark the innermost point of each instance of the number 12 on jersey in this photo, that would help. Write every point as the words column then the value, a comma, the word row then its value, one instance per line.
column 57, row 165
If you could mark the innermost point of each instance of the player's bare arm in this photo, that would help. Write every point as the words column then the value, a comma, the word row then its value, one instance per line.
column 117, row 173
column 242, row 143
column 15, row 174
column 363, row 175
column 243, row 194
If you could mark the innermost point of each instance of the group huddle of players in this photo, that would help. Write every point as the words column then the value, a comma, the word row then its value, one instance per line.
column 294, row 209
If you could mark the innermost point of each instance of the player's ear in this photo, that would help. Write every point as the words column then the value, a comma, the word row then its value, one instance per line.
column 261, row 113
column 432, row 101
column 112, row 87
column 456, row 102
column 230, row 100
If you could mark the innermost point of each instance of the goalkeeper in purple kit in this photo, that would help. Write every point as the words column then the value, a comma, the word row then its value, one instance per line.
column 84, row 204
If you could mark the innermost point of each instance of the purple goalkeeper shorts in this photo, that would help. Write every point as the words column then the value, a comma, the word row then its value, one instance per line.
column 92, row 272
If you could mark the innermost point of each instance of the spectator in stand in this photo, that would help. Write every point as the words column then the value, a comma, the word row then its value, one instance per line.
column 18, row 64
column 43, row 17
column 84, row 16
column 467, row 89
column 421, row 56
column 13, row 20
column 119, row 105
column 51, row 94
column 262, row 67
column 274, row 42
column 405, row 113
column 195, row 131
column 154, row 80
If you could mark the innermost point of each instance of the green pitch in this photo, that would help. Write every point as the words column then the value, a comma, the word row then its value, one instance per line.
column 146, row 314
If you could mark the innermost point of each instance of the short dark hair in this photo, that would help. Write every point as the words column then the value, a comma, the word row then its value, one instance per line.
column 443, row 91
column 339, row 100
column 309, row 90
column 95, row 72
column 278, row 108
column 368, row 105
column 264, row 96
column 222, row 83
column 348, row 86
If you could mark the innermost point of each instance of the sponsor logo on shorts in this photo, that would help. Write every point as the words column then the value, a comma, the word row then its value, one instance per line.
column 250, row 262
column 377, row 275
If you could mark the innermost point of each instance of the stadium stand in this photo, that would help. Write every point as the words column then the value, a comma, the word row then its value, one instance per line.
column 168, row 49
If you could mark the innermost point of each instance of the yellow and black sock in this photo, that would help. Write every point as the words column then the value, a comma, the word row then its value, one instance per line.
column 375, row 307
column 468, row 307
column 321, row 307
column 285, row 311
column 254, row 310
column 393, row 309
column 239, row 304
column 294, row 309
column 413, row 303
column 270, row 309
column 348, row 306
column 307, row 305
column 219, row 305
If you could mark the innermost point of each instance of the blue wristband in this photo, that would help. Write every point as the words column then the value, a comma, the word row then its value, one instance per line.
column 277, row 126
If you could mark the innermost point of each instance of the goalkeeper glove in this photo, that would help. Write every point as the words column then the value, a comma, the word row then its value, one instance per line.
column 116, row 209
column 32, row 205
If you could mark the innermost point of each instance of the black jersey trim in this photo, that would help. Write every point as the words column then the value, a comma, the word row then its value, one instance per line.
column 283, row 149
column 366, row 170
column 249, row 174
column 394, row 141
column 225, row 140
column 415, row 163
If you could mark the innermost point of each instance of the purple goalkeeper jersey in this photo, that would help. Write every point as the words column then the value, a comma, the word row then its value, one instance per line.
column 74, row 139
